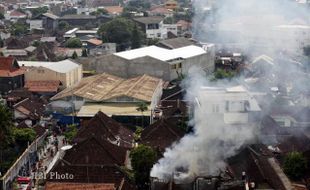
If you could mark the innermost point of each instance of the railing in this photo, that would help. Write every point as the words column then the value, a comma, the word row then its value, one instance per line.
column 21, row 161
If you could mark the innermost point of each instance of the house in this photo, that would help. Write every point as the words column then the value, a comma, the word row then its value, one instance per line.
column 29, row 109
column 154, row 61
column 104, row 128
column 114, row 96
column 49, row 21
column 92, row 161
column 84, row 20
column 114, row 10
column 151, row 26
column 233, row 105
column 43, row 87
column 185, row 25
column 11, row 75
column 161, row 135
column 160, row 11
column 175, row 43
column 66, row 71
column 15, row 15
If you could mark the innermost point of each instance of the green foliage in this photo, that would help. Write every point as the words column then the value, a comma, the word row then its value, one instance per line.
column 6, row 133
column 24, row 135
column 74, row 43
column 1, row 43
column 136, row 39
column 295, row 165
column 1, row 16
column 138, row 5
column 71, row 132
column 99, row 11
column 84, row 53
column 222, row 74
column 19, row 29
column 169, row 20
column 137, row 133
column 120, row 31
column 74, row 55
column 142, row 160
column 38, row 11
column 151, row 42
column 142, row 106
column 36, row 43
column 63, row 25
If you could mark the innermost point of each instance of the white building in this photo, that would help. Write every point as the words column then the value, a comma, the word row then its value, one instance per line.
column 234, row 104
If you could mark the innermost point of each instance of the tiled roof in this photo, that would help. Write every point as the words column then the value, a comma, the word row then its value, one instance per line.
column 92, row 174
column 161, row 134
column 9, row 68
column 95, row 41
column 33, row 108
column 16, row 13
column 93, row 152
column 105, row 128
column 42, row 86
column 104, row 86
column 78, row 186
column 114, row 9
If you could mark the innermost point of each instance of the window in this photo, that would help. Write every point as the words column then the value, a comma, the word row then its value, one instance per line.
column 40, row 71
column 215, row 108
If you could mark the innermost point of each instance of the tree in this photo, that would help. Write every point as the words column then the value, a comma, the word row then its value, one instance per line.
column 135, row 38
column 74, row 43
column 6, row 124
column 18, row 29
column 63, row 25
column 24, row 135
column 295, row 165
column 142, row 160
column 74, row 55
column 119, row 31
column 70, row 132
column 1, row 16
column 38, row 11
column 99, row 11
column 142, row 107
column 1, row 42
column 84, row 53
column 222, row 74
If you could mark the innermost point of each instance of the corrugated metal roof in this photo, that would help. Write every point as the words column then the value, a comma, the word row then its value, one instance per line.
column 162, row 53
column 60, row 66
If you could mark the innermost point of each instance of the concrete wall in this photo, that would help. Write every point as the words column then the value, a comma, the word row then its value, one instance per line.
column 44, row 74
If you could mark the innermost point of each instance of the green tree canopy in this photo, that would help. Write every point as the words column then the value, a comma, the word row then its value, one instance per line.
column 38, row 11
column 142, row 159
column 222, row 74
column 6, row 133
column 1, row 16
column 119, row 31
column 295, row 165
column 24, row 135
column 74, row 43
column 84, row 53
column 19, row 29
column 71, row 132
column 136, row 39
column 99, row 11
column 63, row 25
column 74, row 55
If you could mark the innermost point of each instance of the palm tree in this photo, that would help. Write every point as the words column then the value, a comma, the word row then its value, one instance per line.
column 142, row 107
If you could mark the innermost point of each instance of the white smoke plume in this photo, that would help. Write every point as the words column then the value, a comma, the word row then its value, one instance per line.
column 253, row 26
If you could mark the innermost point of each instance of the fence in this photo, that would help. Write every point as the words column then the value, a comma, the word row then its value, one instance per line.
column 21, row 161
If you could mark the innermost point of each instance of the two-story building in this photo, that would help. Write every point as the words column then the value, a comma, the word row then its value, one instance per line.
column 235, row 105
column 11, row 75
column 152, row 26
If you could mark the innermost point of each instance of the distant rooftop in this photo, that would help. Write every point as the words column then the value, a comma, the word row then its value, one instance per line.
column 60, row 66
column 149, row 20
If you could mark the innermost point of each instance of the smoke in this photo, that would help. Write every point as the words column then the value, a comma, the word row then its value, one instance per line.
column 254, row 26
column 203, row 152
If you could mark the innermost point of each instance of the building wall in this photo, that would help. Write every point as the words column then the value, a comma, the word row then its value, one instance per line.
column 204, row 61
column 41, row 73
column 11, row 83
column 34, row 24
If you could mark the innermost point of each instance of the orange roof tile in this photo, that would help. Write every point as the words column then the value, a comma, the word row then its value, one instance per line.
column 95, row 41
column 42, row 86
column 114, row 9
